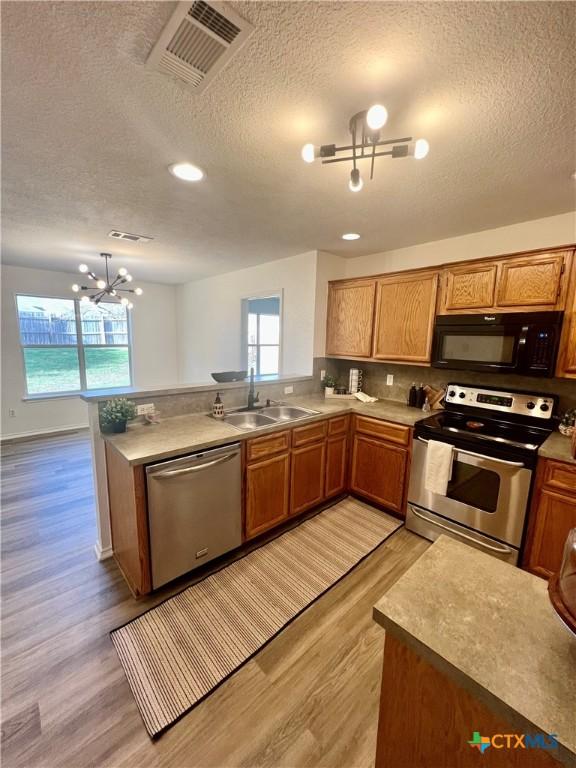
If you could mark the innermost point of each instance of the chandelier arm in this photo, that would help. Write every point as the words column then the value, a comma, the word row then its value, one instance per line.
column 347, row 159
column 125, row 290
column 372, row 163
column 353, row 146
column 405, row 140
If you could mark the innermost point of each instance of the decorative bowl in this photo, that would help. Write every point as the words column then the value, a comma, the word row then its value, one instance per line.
column 225, row 376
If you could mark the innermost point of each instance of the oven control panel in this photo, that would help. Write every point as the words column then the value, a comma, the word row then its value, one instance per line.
column 537, row 406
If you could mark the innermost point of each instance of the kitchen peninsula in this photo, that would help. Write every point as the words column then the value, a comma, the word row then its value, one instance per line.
column 473, row 646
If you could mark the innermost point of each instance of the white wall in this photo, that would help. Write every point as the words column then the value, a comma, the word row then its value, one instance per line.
column 526, row 236
column 154, row 350
column 209, row 316
column 329, row 267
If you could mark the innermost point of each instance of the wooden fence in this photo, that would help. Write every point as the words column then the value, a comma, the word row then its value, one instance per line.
column 44, row 329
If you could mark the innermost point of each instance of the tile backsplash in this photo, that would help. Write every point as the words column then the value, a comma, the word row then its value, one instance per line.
column 375, row 380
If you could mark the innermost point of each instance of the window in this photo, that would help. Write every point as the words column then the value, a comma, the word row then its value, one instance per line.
column 69, row 345
column 262, row 324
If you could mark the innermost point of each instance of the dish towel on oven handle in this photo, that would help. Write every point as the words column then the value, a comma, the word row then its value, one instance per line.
column 438, row 469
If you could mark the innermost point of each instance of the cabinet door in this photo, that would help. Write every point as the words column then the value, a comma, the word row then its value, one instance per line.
column 350, row 317
column 405, row 311
column 567, row 354
column 379, row 472
column 468, row 288
column 267, row 489
column 336, row 455
column 555, row 515
column 532, row 281
column 307, row 485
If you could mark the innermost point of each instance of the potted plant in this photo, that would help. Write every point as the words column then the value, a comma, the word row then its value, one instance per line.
column 568, row 422
column 115, row 413
column 328, row 382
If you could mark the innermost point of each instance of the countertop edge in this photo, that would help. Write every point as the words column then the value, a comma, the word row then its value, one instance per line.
column 469, row 684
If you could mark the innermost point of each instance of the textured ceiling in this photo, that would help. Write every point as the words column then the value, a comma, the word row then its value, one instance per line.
column 88, row 132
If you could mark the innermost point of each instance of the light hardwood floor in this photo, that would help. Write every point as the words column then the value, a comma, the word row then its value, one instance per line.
column 310, row 698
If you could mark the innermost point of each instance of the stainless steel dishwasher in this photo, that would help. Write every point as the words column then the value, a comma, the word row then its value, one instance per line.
column 194, row 510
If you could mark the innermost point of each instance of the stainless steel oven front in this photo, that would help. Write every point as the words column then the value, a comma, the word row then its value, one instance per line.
column 485, row 502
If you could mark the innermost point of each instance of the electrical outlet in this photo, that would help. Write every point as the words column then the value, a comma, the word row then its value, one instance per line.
column 144, row 409
column 322, row 375
column 390, row 379
column 288, row 390
column 11, row 413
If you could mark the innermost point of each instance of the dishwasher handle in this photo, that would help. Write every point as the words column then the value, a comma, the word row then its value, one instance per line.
column 196, row 468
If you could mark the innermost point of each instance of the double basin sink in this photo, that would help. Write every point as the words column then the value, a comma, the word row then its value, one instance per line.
column 266, row 416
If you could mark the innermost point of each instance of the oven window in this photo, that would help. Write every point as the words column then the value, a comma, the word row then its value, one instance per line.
column 478, row 349
column 474, row 486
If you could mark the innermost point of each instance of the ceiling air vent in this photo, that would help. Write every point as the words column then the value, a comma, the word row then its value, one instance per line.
column 198, row 41
column 117, row 235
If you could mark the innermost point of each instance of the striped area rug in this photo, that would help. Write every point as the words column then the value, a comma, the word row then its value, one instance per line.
column 178, row 652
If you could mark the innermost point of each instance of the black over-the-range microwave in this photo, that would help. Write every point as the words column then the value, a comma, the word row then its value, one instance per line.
column 524, row 343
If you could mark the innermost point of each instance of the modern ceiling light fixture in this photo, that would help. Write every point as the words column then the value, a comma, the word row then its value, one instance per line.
column 186, row 171
column 105, row 286
column 351, row 236
column 365, row 129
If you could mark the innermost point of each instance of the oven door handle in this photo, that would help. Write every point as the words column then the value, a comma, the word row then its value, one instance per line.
column 482, row 456
column 500, row 550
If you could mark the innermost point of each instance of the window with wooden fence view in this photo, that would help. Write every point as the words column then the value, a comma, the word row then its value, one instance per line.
column 70, row 345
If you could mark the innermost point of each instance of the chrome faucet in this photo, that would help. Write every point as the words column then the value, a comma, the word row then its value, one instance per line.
column 252, row 399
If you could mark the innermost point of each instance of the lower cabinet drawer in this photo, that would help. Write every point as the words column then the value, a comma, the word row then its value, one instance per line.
column 379, row 472
column 386, row 430
column 561, row 476
column 268, row 445
column 307, row 477
column 309, row 434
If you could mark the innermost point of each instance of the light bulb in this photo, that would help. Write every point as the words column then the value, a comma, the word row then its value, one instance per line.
column 186, row 172
column 355, row 184
column 129, row 278
column 130, row 305
column 113, row 292
column 83, row 268
column 124, row 301
column 421, row 149
column 308, row 153
column 138, row 291
column 101, row 284
column 351, row 236
column 75, row 287
column 85, row 299
column 376, row 117
column 122, row 271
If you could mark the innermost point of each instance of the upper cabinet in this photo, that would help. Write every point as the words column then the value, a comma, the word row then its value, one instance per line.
column 535, row 281
column 468, row 288
column 531, row 283
column 404, row 320
column 350, row 318
column 567, row 354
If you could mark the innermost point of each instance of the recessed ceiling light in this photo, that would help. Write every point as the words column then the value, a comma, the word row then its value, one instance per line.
column 573, row 175
column 186, row 172
column 351, row 236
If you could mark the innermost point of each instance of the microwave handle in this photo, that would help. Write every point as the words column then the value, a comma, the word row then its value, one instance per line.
column 481, row 456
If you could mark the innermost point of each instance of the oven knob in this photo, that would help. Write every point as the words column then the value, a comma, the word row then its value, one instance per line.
column 451, row 393
column 530, row 406
column 544, row 407
column 461, row 394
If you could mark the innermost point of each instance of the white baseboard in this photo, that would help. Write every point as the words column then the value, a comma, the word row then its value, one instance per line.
column 42, row 432
column 102, row 553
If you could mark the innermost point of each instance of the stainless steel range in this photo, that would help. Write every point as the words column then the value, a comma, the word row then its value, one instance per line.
column 495, row 436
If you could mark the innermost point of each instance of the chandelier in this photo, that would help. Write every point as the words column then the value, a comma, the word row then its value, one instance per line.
column 365, row 130
column 104, row 287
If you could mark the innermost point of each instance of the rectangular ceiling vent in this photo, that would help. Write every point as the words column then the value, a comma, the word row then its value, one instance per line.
column 199, row 39
column 117, row 235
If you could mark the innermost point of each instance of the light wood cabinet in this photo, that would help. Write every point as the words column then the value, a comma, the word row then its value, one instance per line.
column 531, row 283
column 552, row 515
column 379, row 472
column 468, row 288
column 307, row 477
column 267, row 494
column 567, row 354
column 404, row 318
column 534, row 281
column 350, row 318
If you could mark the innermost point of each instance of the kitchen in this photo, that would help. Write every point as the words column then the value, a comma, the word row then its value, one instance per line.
column 247, row 539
